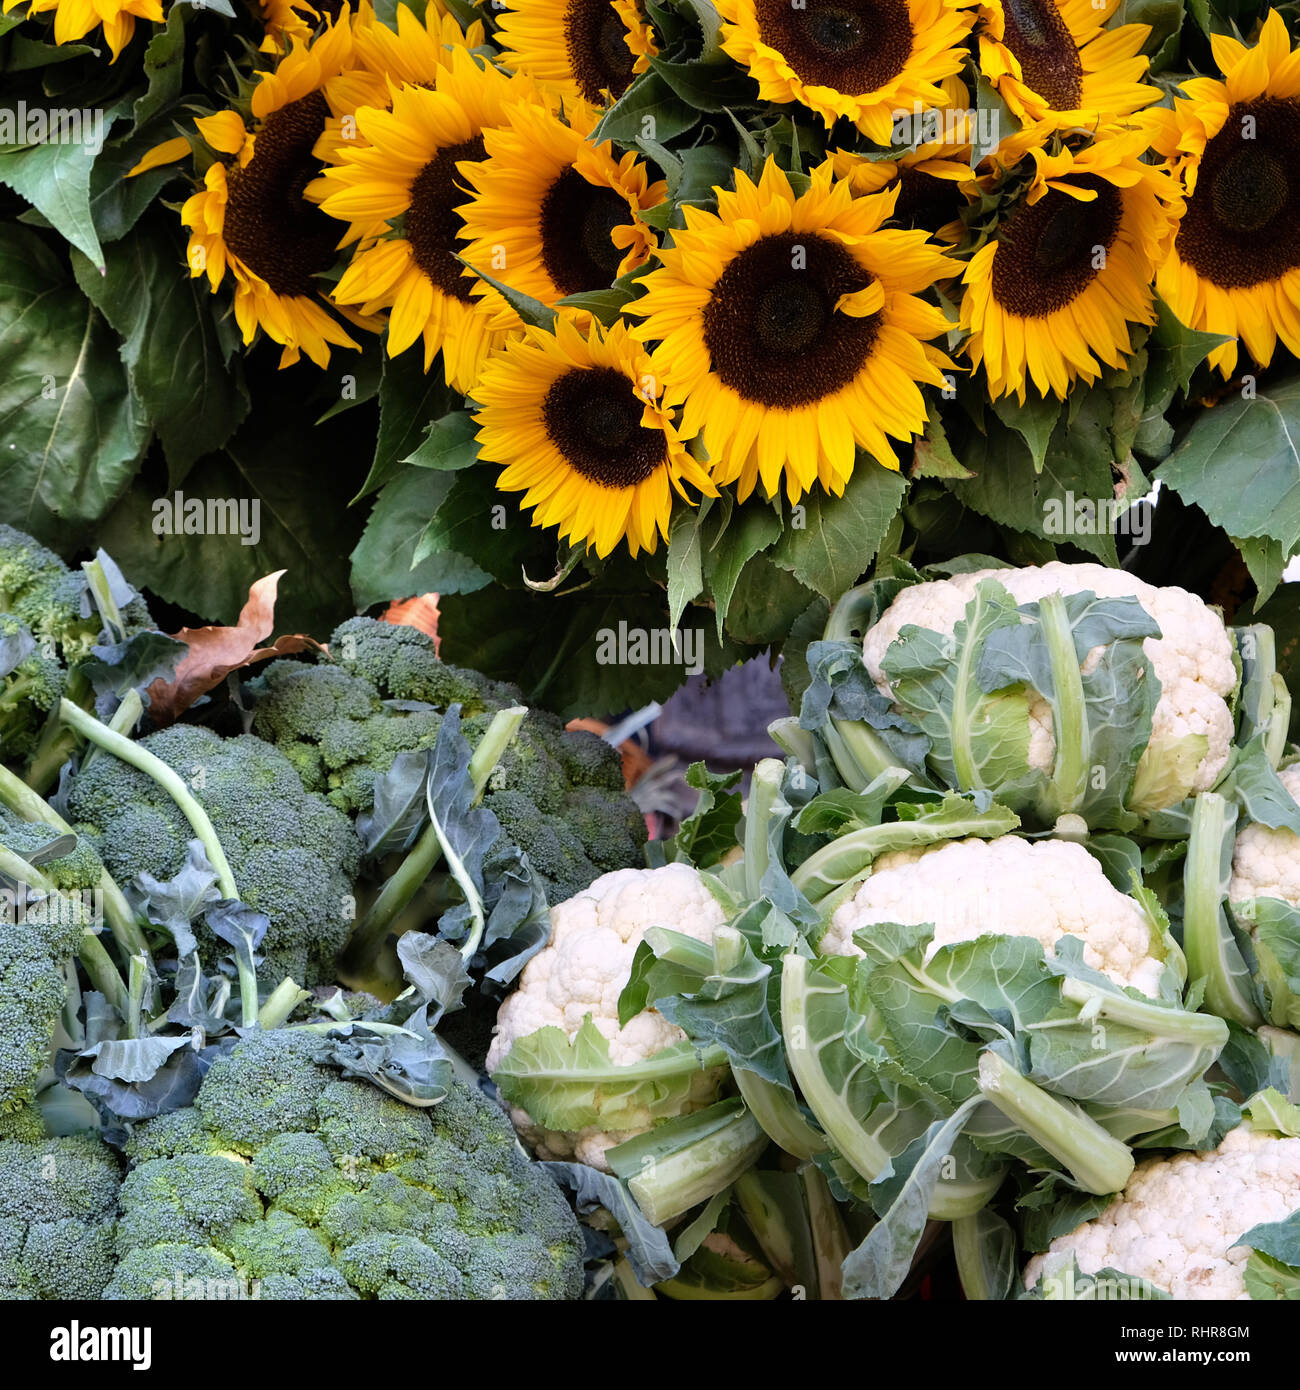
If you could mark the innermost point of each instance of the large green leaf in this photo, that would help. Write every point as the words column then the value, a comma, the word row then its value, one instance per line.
column 306, row 526
column 71, row 432
column 409, row 400
column 1240, row 463
column 171, row 347
column 831, row 542
column 54, row 175
column 382, row 562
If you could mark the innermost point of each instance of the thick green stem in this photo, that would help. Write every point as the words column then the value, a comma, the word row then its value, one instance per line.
column 137, row 983
column 423, row 857
column 122, row 922
column 1071, row 771
column 797, row 742
column 775, row 1109
column 682, row 1180
column 764, row 794
column 170, row 781
column 280, row 1003
column 102, row 594
column 103, row 974
column 1212, row 954
column 125, row 717
column 1098, row 1162
column 1203, row 1030
column 1279, row 722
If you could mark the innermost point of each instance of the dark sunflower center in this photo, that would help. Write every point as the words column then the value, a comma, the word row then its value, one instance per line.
column 599, row 56
column 1044, row 47
column 269, row 225
column 855, row 46
column 593, row 416
column 433, row 223
column 577, row 224
column 1242, row 224
column 924, row 201
column 770, row 324
column 1048, row 254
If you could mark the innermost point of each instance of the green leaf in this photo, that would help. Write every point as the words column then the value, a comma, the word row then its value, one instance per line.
column 1270, row 1279
column 408, row 400
column 648, row 98
column 751, row 529
column 1265, row 559
column 531, row 310
column 765, row 604
column 306, row 529
column 73, row 432
column 709, row 831
column 570, row 1083
column 164, row 66
column 449, row 445
column 382, row 561
column 1240, row 463
column 54, row 177
column 840, row 535
column 685, row 559
column 1009, row 491
column 170, row 345
column 1033, row 422
column 476, row 520
column 932, row 455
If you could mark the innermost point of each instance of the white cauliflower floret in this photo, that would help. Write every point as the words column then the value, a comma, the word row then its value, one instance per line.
column 1176, row 1221
column 1192, row 658
column 583, row 969
column 1266, row 863
column 1010, row 887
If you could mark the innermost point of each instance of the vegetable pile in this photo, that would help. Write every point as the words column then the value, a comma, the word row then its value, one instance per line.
column 234, row 947
column 1000, row 960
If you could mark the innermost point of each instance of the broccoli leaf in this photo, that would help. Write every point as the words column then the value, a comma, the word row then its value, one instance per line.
column 648, row 1249
column 173, row 904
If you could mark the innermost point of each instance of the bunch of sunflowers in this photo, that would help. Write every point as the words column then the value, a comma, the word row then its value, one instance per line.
column 790, row 285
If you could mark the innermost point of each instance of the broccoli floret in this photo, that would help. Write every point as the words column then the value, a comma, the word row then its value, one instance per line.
column 77, row 871
column 291, row 1181
column 293, row 856
column 34, row 953
column 38, row 588
column 401, row 663
column 558, row 794
column 58, row 1201
column 32, row 683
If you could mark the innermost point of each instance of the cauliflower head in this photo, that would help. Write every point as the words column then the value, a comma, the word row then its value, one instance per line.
column 1266, row 862
column 582, row 971
column 1177, row 1221
column 1009, row 887
column 1192, row 658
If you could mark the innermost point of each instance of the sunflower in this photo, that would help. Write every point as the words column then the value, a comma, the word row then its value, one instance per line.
column 1055, row 60
column 587, row 49
column 1234, row 266
column 928, row 177
column 553, row 215
column 861, row 59
column 791, row 329
column 1056, row 292
column 251, row 218
column 411, row 165
column 74, row 19
column 574, row 419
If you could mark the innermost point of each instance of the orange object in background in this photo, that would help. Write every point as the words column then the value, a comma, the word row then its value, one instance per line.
column 421, row 612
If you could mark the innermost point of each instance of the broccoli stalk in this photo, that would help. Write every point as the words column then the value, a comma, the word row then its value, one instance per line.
column 421, row 860
column 122, row 922
column 152, row 766
column 96, row 960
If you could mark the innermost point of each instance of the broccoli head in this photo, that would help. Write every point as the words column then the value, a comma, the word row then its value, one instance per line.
column 58, row 1203
column 40, row 590
column 292, row 854
column 31, row 682
column 558, row 794
column 34, row 954
column 284, row 1180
